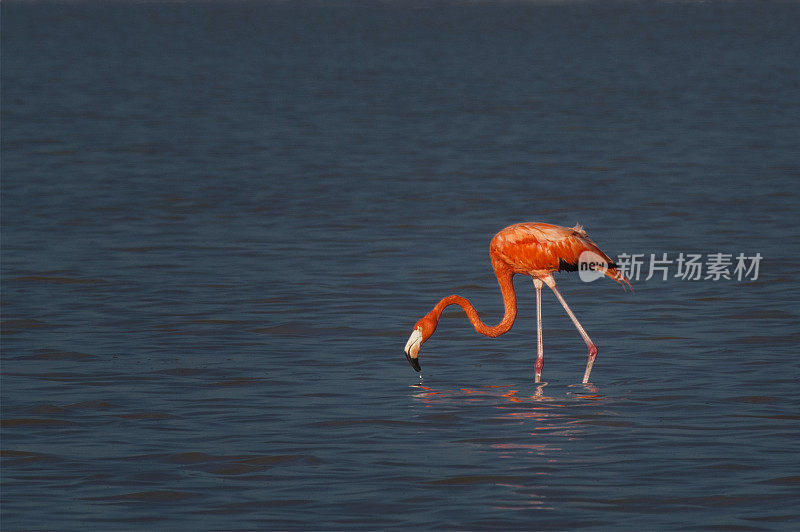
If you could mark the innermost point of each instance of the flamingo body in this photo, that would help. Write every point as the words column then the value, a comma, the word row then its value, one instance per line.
column 535, row 249
column 540, row 249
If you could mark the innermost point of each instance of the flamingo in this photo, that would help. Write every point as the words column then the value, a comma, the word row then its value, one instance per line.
column 538, row 250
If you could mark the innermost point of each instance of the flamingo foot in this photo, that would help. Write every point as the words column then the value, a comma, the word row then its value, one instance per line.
column 590, row 363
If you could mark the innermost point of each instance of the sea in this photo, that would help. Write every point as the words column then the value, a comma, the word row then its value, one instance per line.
column 222, row 219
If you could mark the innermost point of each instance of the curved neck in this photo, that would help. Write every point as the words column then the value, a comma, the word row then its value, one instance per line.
column 504, row 278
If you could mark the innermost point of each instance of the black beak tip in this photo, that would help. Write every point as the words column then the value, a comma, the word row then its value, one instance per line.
column 414, row 362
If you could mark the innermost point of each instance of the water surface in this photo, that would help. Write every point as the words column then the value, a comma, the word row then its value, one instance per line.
column 221, row 221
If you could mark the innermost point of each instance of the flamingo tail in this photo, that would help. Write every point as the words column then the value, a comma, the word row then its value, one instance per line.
column 614, row 273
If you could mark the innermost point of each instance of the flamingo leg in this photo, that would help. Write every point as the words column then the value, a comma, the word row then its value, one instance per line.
column 539, row 349
column 592, row 348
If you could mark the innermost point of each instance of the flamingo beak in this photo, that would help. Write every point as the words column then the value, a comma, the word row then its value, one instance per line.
column 412, row 348
column 414, row 362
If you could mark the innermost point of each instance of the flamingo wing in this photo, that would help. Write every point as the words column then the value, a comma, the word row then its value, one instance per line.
column 529, row 247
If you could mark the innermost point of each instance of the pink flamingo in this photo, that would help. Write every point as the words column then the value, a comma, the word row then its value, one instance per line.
column 538, row 250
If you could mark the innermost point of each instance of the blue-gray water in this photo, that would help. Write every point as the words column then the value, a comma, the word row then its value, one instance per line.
column 220, row 222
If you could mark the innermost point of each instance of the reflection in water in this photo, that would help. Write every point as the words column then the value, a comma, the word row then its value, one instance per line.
column 504, row 402
column 553, row 423
column 483, row 393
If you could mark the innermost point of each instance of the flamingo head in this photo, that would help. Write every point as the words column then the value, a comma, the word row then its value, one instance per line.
column 422, row 331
